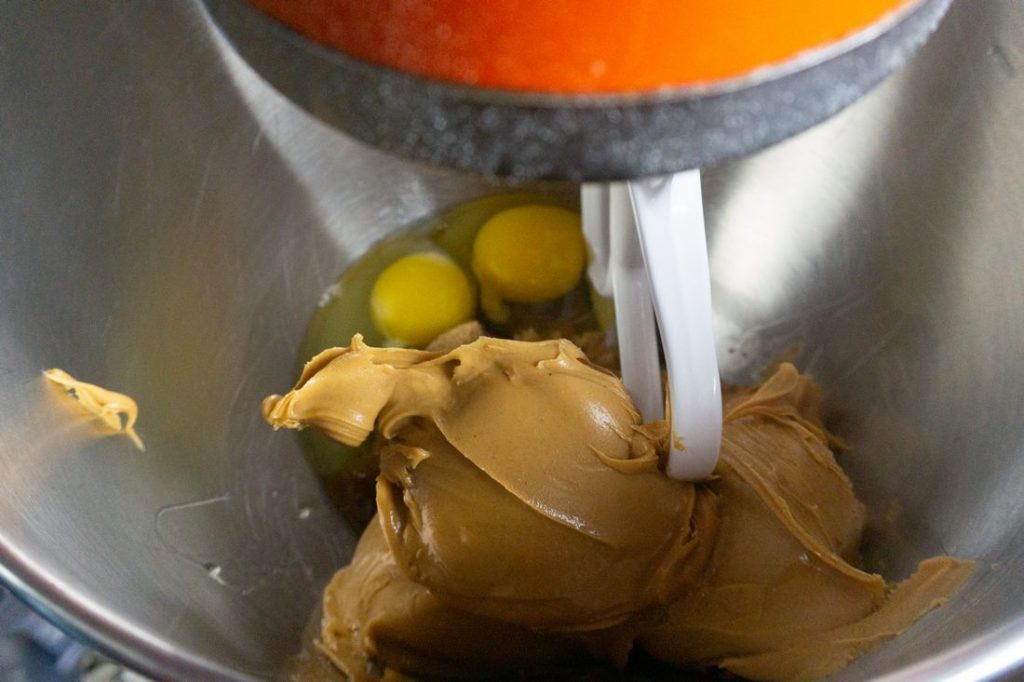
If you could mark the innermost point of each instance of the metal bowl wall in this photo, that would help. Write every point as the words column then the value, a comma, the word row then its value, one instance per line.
column 168, row 223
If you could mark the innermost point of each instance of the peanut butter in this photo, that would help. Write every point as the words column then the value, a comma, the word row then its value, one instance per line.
column 116, row 410
column 523, row 520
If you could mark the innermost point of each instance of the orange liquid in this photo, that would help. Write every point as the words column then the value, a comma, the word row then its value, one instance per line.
column 577, row 46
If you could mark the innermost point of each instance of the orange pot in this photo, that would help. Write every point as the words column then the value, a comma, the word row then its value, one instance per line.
column 578, row 46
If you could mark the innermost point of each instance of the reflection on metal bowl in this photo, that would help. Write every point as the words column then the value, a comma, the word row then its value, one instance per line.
column 168, row 223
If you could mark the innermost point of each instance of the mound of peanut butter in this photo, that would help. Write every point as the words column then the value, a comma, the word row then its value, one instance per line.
column 523, row 521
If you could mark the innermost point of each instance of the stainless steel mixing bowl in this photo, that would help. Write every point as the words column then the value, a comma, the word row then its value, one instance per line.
column 168, row 223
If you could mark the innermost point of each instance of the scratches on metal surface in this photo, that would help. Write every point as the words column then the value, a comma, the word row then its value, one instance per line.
column 203, row 184
column 264, row 550
column 760, row 344
column 1003, row 60
column 182, row 530
column 115, row 200
column 869, row 353
column 191, row 505
column 286, row 272
column 257, row 142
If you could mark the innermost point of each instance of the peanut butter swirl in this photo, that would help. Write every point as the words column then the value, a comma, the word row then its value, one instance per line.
column 523, row 520
column 116, row 410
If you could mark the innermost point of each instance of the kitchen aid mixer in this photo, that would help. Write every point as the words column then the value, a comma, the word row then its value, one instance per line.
column 208, row 146
column 659, row 88
column 593, row 92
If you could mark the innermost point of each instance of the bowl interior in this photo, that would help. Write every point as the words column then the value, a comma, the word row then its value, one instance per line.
column 168, row 223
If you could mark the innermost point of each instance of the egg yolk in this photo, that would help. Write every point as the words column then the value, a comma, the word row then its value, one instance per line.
column 418, row 297
column 527, row 254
